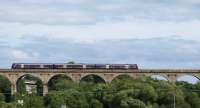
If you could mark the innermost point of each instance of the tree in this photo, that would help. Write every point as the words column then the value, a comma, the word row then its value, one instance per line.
column 54, row 99
column 71, row 98
column 7, row 105
column 29, row 100
column 147, row 94
column 92, row 79
column 5, row 89
column 193, row 99
column 61, row 83
column 71, row 62
column 95, row 104
column 122, row 93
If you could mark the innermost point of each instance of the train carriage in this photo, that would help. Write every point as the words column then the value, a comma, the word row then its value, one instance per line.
column 72, row 66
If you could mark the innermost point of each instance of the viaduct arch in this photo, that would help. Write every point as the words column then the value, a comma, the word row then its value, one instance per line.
column 77, row 74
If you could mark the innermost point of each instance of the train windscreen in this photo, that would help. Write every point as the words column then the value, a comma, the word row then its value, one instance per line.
column 16, row 66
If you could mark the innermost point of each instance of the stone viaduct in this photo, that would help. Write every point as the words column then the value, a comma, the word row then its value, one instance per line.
column 13, row 75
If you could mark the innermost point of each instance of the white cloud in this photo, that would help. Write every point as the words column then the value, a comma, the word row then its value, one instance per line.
column 111, row 7
column 19, row 55
column 56, row 1
column 46, row 16
column 188, row 49
column 190, row 1
column 94, row 11
column 105, row 31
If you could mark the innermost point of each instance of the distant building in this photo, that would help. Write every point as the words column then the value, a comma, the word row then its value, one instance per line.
column 31, row 86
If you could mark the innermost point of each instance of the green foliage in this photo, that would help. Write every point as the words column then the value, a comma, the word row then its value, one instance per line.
column 29, row 101
column 5, row 89
column 93, row 92
column 2, row 97
column 71, row 62
column 61, row 83
column 54, row 99
column 95, row 104
column 131, row 103
column 193, row 99
column 71, row 98
column 92, row 79
column 21, row 84
column 7, row 105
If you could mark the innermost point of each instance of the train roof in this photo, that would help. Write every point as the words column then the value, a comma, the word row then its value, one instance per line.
column 69, row 64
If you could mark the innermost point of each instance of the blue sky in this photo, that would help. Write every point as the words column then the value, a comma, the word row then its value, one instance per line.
column 151, row 33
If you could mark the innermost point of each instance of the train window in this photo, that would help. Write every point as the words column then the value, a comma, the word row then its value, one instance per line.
column 58, row 66
column 26, row 66
column 33, row 66
column 74, row 66
column 90, row 66
column 101, row 66
column 133, row 66
column 16, row 66
column 117, row 66
column 48, row 66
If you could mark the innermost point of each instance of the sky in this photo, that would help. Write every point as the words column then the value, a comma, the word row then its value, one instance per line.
column 150, row 33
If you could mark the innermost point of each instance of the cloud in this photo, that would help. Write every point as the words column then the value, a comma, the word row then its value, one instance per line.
column 130, row 29
column 80, row 12
column 29, row 12
column 111, row 7
column 165, row 10
column 166, row 52
column 53, row 1
column 46, row 16
column 20, row 55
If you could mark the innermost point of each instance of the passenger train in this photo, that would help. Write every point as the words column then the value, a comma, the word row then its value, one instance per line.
column 72, row 66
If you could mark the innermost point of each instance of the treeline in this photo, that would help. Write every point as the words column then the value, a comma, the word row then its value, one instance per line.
column 123, row 92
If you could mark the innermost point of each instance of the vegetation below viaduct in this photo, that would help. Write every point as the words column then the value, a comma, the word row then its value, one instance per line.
column 93, row 92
